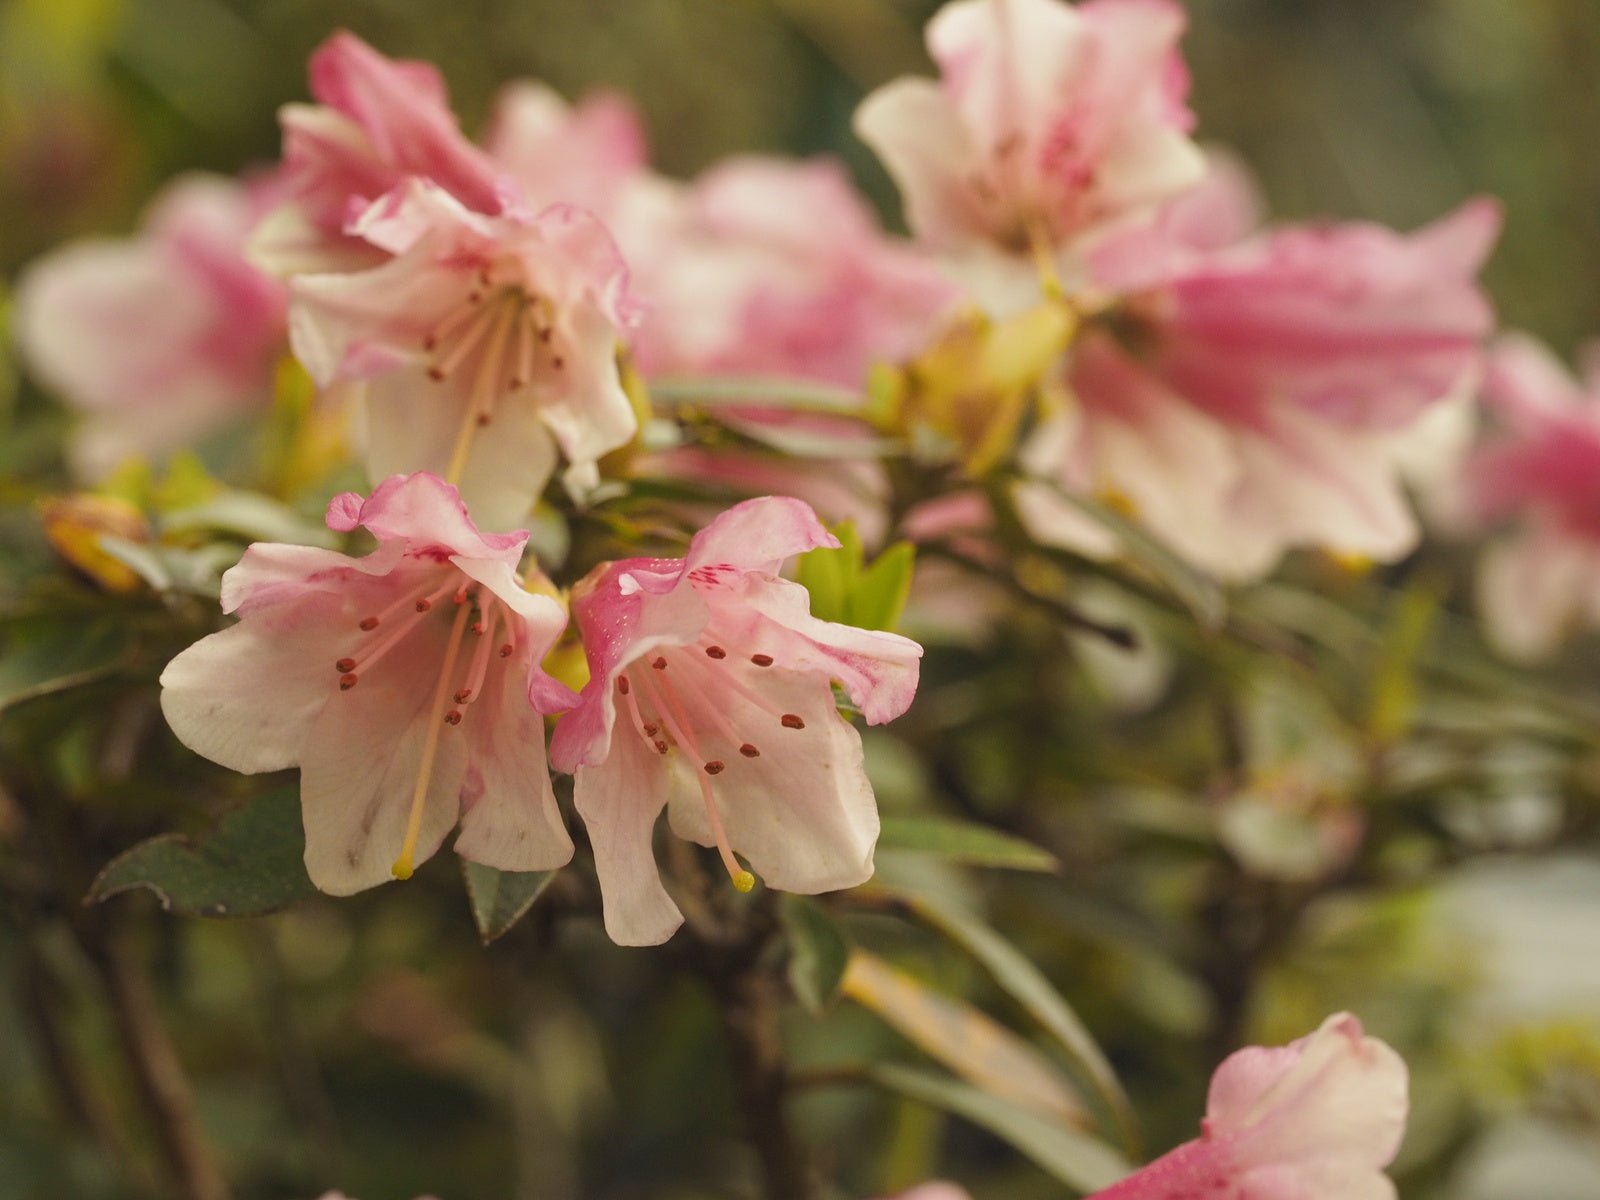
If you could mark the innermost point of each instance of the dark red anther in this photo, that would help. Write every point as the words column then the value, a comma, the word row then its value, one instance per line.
column 661, row 746
column 345, row 665
column 369, row 623
column 346, row 682
column 623, row 685
column 463, row 695
column 505, row 651
column 659, row 663
column 557, row 361
column 453, row 717
column 761, row 660
column 749, row 751
column 480, row 627
column 483, row 419
column 651, row 729
column 424, row 604
column 436, row 374
column 716, row 652
column 714, row 767
column 790, row 721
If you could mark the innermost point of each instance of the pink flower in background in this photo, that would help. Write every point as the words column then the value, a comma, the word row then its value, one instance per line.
column 377, row 122
column 1318, row 1119
column 161, row 338
column 1539, row 471
column 587, row 153
column 768, row 267
column 710, row 694
column 488, row 342
column 937, row 1189
column 1049, row 122
column 405, row 685
column 1295, row 366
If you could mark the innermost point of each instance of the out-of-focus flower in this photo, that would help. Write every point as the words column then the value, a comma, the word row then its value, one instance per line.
column 1540, row 472
column 767, row 267
column 1257, row 393
column 1321, row 1117
column 937, row 1189
column 723, row 681
column 1049, row 122
column 378, row 121
column 587, row 153
column 405, row 686
column 160, row 338
column 487, row 341
column 74, row 525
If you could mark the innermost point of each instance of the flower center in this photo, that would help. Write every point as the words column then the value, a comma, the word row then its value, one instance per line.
column 652, row 691
column 502, row 334
column 493, row 634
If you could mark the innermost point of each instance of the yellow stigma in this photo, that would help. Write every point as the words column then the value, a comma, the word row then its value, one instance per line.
column 744, row 882
column 402, row 866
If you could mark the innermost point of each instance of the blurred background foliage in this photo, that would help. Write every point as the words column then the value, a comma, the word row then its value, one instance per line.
column 372, row 1044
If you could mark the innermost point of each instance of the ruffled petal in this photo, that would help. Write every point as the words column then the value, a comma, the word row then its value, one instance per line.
column 757, row 535
column 919, row 135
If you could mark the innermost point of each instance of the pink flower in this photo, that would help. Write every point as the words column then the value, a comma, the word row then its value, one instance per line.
column 586, row 154
column 1540, row 472
column 1049, row 121
column 1297, row 364
column 937, row 1189
column 379, row 121
column 488, row 342
column 1318, row 1119
column 161, row 338
column 766, row 267
column 723, row 682
column 405, row 685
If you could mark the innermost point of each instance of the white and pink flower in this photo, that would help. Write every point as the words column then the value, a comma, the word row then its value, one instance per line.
column 711, row 695
column 405, row 685
column 378, row 122
column 1258, row 392
column 1049, row 122
column 487, row 343
column 161, row 338
column 1318, row 1119
column 1538, row 472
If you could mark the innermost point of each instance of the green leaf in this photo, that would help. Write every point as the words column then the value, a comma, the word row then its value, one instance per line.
column 248, row 865
column 970, row 1042
column 43, row 661
column 819, row 951
column 1073, row 1157
column 829, row 574
column 501, row 898
column 964, row 842
column 881, row 591
column 1020, row 979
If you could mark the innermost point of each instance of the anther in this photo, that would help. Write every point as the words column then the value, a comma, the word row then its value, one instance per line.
column 505, row 651
column 749, row 751
column 790, row 721
column 715, row 767
column 761, row 660
column 346, row 682
column 424, row 604
column 716, row 652
column 661, row 746
column 453, row 717
column 651, row 729
column 345, row 665
column 480, row 626
column 369, row 623
column 659, row 664
column 483, row 419
column 623, row 685
column 464, row 695
column 557, row 361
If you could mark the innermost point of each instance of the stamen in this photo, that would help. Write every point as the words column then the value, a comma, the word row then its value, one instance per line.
column 677, row 723
column 715, row 767
column 485, row 389
column 622, row 684
column 346, row 682
column 368, row 624
column 761, row 660
column 523, row 374
column 403, row 866
column 457, row 318
column 659, row 663
column 473, row 686
column 749, row 751
column 471, row 334
column 716, row 652
column 374, row 653
column 790, row 721
column 345, row 665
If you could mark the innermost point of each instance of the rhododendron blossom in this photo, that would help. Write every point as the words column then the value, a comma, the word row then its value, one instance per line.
column 1282, row 372
column 379, row 121
column 710, row 694
column 162, row 338
column 1049, row 122
column 488, row 342
column 1540, row 472
column 405, row 686
column 590, row 153
column 1318, row 1119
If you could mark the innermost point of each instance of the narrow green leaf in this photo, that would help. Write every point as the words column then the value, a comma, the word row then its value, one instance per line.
column 964, row 842
column 249, row 864
column 1075, row 1158
column 819, row 951
column 1020, row 979
column 881, row 591
column 43, row 661
column 501, row 898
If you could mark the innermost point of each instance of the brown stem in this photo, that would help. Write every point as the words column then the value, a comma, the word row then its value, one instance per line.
column 159, row 1076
